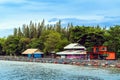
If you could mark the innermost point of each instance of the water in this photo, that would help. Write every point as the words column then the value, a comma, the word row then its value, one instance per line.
column 11, row 70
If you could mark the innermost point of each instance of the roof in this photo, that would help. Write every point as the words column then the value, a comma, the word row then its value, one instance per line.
column 31, row 51
column 74, row 46
column 71, row 52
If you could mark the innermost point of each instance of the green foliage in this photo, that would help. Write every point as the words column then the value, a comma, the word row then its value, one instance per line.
column 24, row 44
column 60, row 45
column 36, row 43
column 113, row 39
column 54, row 37
column 92, row 39
column 76, row 33
column 2, row 41
column 11, row 45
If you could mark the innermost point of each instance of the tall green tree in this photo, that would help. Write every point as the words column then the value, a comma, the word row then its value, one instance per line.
column 31, row 28
column 20, row 34
column 58, row 26
column 15, row 32
column 11, row 45
column 92, row 39
column 113, row 39
column 2, row 42
column 61, row 44
column 76, row 33
column 24, row 44
column 51, row 41
column 36, row 43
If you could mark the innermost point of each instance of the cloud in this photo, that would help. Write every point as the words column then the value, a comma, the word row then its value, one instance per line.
column 74, row 21
column 62, row 7
column 105, row 21
column 14, row 13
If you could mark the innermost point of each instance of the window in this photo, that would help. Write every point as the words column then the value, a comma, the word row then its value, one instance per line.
column 104, row 49
column 97, row 49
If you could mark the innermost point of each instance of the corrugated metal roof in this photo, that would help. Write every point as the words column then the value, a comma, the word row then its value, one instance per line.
column 31, row 51
column 74, row 46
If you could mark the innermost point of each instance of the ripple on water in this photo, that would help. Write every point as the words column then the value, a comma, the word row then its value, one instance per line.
column 42, row 71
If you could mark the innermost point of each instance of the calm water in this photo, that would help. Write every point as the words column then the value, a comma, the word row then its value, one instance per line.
column 10, row 70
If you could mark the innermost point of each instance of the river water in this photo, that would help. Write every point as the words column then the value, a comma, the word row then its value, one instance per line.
column 12, row 70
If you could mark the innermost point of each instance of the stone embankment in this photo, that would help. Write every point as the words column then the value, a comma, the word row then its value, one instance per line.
column 78, row 62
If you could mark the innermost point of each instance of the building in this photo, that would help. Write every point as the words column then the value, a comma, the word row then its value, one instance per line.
column 101, row 52
column 34, row 53
column 73, row 51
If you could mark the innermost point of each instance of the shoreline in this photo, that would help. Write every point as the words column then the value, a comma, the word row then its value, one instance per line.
column 77, row 62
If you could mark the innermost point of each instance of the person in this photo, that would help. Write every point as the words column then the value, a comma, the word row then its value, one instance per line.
column 88, row 57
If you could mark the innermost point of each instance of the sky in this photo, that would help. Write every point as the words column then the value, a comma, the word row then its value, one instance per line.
column 15, row 13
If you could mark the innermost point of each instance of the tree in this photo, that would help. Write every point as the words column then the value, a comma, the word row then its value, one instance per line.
column 27, row 34
column 24, row 44
column 36, row 43
column 58, row 26
column 76, row 33
column 2, row 42
column 92, row 39
column 15, row 32
column 20, row 32
column 11, row 45
column 32, row 30
column 53, row 38
column 113, row 39
column 60, row 46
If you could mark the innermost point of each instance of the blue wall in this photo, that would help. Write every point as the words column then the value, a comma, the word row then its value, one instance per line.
column 37, row 55
column 29, row 55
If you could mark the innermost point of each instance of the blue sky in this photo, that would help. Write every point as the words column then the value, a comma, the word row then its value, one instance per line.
column 15, row 13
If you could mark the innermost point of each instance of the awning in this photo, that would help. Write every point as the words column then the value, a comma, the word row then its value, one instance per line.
column 71, row 52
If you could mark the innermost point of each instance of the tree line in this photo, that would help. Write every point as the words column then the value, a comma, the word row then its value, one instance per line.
column 49, row 38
